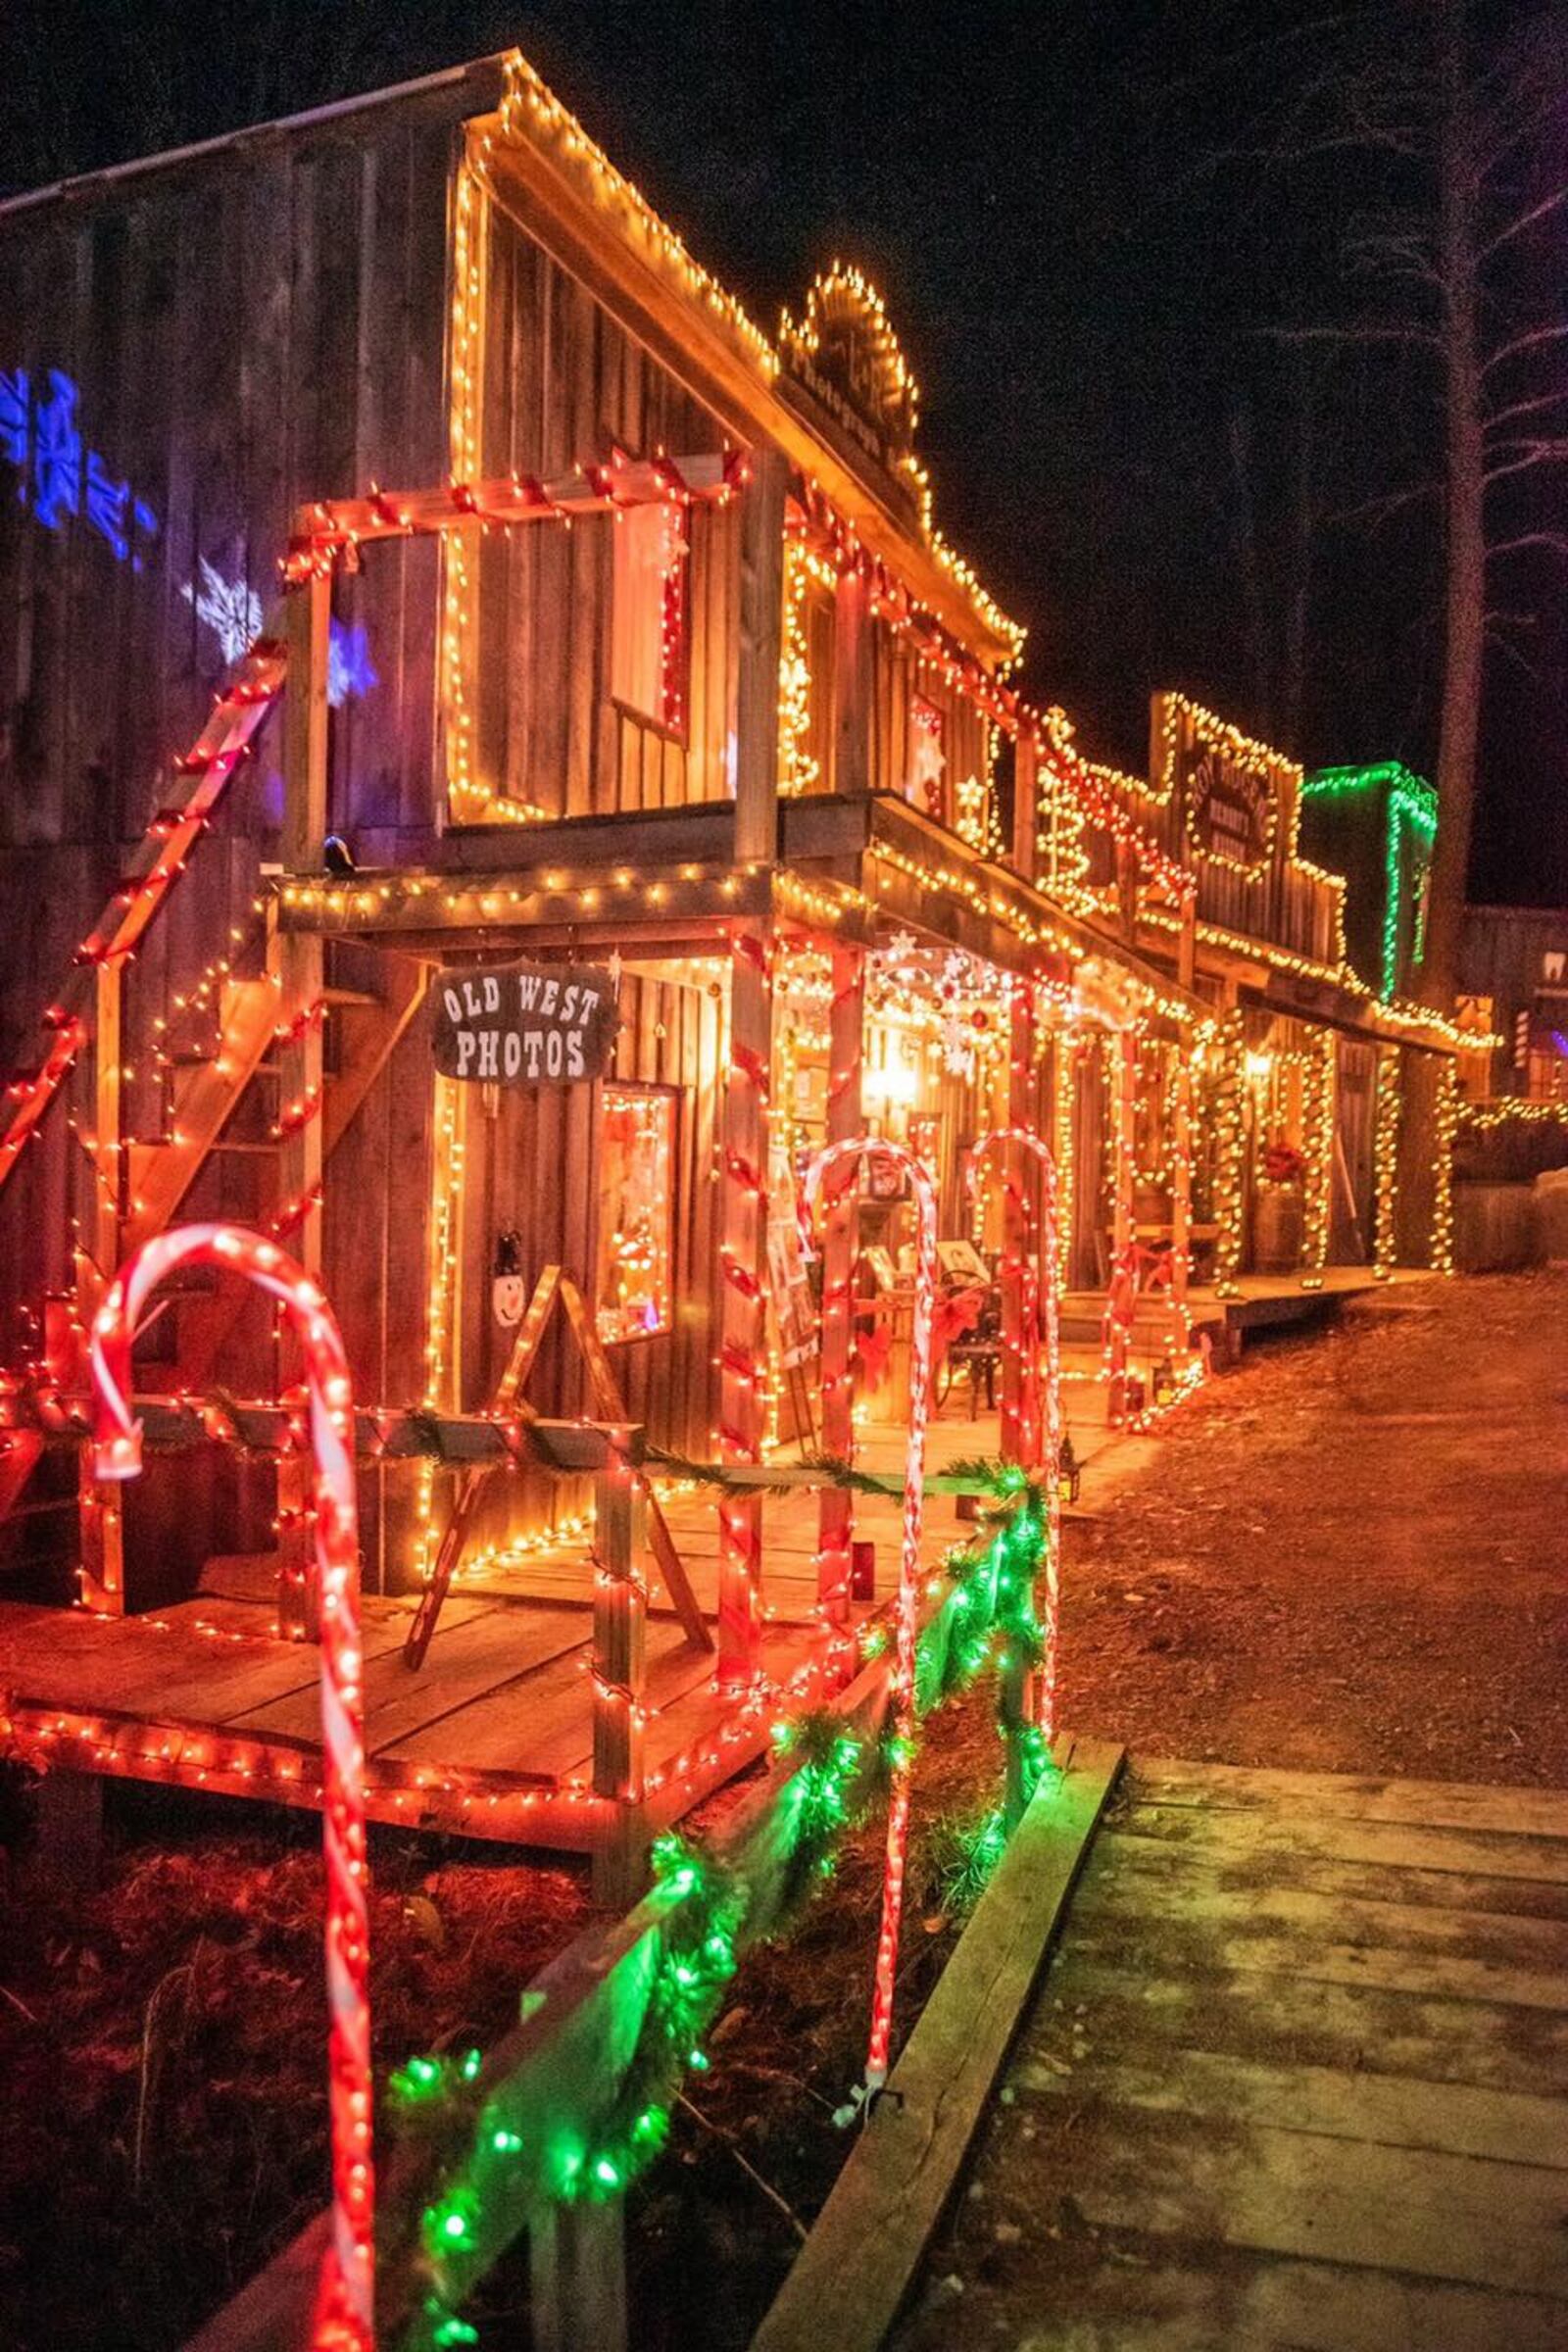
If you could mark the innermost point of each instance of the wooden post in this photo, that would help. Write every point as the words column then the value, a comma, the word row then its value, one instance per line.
column 836, row 1506
column 577, row 2277
column 298, row 961
column 1021, row 1382
column 762, row 616
column 71, row 1815
column 1181, row 1177
column 1025, row 811
column 1126, row 1136
column 620, row 1615
column 102, row 1197
column 743, row 1272
column 852, row 687
column 852, row 779
column 1187, row 941
column 1118, row 1331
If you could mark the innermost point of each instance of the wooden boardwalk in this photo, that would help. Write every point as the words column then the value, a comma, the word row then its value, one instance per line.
column 1296, row 2077
column 1293, row 2078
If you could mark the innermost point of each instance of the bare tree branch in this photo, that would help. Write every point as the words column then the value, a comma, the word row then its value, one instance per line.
column 1524, row 408
column 1516, row 228
column 1522, row 343
column 1554, row 542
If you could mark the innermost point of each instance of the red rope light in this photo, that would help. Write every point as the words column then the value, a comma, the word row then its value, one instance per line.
column 901, row 1689
column 344, row 2319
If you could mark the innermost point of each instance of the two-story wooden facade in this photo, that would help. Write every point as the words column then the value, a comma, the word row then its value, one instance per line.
column 616, row 632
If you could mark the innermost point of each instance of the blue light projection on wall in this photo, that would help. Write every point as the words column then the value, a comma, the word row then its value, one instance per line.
column 40, row 436
column 350, row 672
column 59, row 478
column 232, row 611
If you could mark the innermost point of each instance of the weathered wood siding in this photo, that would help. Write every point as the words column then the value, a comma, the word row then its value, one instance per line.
column 563, row 385
column 243, row 329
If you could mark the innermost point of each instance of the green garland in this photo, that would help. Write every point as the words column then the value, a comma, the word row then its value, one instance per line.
column 495, row 2161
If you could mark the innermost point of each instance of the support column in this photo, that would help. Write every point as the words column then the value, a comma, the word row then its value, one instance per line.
column 1121, row 1308
column 578, row 2276
column 619, row 1671
column 102, row 1205
column 1230, row 1177
column 1020, row 1230
column 1386, row 1162
column 743, row 1266
column 299, row 961
column 1181, row 1178
column 1321, row 1119
column 839, row 1240
column 1025, row 811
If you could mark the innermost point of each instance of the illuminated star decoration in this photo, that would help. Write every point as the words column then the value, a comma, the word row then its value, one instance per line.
column 350, row 672
column 231, row 610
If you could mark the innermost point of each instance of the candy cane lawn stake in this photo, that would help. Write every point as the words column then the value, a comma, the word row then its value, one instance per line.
column 901, row 1692
column 998, row 1139
column 344, row 2319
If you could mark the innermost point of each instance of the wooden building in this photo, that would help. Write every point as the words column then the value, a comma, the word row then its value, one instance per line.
column 611, row 631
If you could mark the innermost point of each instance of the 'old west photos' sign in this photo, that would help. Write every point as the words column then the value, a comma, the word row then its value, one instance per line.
column 526, row 1024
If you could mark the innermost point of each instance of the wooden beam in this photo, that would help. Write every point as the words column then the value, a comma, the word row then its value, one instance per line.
column 840, row 1252
column 1181, row 1165
column 619, row 1670
column 1025, row 809
column 762, row 616
column 101, row 1165
column 856, row 2266
column 299, row 964
column 423, row 906
column 334, row 523
column 577, row 2277
column 1021, row 1400
column 742, row 1287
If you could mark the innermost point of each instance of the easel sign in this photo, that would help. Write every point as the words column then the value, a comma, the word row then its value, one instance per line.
column 524, row 1024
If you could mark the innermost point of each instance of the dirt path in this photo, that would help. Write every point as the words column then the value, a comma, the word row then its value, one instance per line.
column 1351, row 1552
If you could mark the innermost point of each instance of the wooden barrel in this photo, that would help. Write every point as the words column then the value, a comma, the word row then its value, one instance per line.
column 1277, row 1221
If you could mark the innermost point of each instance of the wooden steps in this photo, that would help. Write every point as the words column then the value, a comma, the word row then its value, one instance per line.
column 1297, row 2076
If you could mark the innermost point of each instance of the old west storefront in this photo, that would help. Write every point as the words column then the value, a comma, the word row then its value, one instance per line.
column 658, row 667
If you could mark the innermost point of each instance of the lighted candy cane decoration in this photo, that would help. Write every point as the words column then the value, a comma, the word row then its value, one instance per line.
column 902, row 1691
column 1000, row 1139
column 344, row 2319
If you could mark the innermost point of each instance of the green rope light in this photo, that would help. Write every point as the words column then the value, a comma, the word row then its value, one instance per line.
column 1411, row 811
column 496, row 2160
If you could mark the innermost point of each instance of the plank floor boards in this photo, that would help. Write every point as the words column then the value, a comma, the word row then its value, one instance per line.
column 1296, row 2080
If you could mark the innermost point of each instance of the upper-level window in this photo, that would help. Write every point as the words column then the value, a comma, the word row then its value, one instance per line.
column 649, row 637
column 927, row 757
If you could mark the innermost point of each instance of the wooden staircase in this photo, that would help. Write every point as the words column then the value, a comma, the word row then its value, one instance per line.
column 206, row 1091
column 223, row 1096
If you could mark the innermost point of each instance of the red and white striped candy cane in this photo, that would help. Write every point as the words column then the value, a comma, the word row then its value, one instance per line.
column 345, row 2319
column 901, row 1692
column 1000, row 1140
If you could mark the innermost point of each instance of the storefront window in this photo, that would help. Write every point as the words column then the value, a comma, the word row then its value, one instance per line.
column 636, row 1212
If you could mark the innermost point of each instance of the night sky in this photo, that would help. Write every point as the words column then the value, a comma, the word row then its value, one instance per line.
column 1084, row 290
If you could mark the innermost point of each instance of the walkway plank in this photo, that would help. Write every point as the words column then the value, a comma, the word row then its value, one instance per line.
column 1397, row 2112
column 1427, row 1804
column 1296, row 2081
column 1171, row 1875
column 1276, row 1838
column 1306, row 2193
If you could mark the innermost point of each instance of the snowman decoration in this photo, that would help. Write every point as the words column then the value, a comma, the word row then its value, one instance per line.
column 507, row 1291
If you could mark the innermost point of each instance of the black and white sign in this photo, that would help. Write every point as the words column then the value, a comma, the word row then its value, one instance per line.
column 526, row 1024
